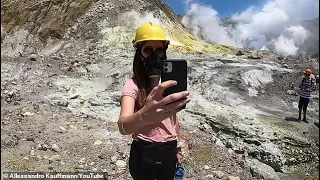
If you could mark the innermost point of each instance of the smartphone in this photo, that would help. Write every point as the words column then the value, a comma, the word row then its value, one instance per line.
column 177, row 70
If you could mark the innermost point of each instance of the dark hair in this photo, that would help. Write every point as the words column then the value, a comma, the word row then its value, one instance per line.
column 141, row 78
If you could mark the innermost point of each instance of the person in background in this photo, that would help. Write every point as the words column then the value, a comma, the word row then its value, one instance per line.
column 145, row 114
column 307, row 85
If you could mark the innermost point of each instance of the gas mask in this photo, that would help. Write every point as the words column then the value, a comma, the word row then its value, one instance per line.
column 153, row 64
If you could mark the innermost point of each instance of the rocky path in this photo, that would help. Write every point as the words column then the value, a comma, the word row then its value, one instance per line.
column 60, row 115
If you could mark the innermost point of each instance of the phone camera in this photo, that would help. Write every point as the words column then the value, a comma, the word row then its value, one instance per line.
column 165, row 69
column 165, row 64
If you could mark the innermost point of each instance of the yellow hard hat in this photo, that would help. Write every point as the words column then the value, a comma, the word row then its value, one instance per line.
column 150, row 31
column 308, row 71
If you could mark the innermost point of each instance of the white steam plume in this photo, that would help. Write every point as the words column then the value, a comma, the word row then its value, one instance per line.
column 205, row 23
column 275, row 26
column 289, row 41
column 137, row 19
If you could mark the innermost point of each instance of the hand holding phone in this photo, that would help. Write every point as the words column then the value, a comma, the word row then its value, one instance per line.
column 174, row 70
column 157, row 108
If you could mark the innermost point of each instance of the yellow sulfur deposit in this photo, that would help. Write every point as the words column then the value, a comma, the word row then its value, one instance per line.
column 185, row 42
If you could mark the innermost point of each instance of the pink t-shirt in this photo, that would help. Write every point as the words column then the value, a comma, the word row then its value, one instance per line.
column 159, row 132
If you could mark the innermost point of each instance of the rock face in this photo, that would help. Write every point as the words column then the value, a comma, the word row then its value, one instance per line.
column 47, row 19
column 261, row 170
column 63, row 65
column 3, row 33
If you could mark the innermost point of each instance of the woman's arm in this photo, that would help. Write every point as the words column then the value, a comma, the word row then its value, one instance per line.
column 156, row 109
column 301, row 85
column 129, row 122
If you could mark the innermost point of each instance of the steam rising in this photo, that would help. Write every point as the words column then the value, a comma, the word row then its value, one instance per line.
column 137, row 19
column 275, row 26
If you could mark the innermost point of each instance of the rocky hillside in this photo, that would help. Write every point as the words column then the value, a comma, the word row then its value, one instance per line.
column 79, row 19
column 63, row 64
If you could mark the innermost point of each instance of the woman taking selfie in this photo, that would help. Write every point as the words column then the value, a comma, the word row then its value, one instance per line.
column 145, row 114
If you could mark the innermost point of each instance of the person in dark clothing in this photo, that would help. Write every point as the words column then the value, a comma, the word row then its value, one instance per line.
column 307, row 85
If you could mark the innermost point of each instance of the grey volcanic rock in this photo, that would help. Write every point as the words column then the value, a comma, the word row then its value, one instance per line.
column 69, row 94
column 261, row 170
column 3, row 33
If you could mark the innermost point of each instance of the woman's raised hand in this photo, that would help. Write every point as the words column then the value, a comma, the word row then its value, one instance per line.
column 157, row 107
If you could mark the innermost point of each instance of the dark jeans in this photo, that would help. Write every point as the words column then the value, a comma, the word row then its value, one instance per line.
column 150, row 161
column 303, row 103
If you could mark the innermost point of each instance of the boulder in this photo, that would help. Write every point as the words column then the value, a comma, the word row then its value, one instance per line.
column 255, row 55
column 239, row 53
column 261, row 170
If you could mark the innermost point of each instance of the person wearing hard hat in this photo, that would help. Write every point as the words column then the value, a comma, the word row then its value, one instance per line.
column 307, row 85
column 145, row 114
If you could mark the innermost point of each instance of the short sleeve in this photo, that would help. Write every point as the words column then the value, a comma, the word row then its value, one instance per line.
column 130, row 89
